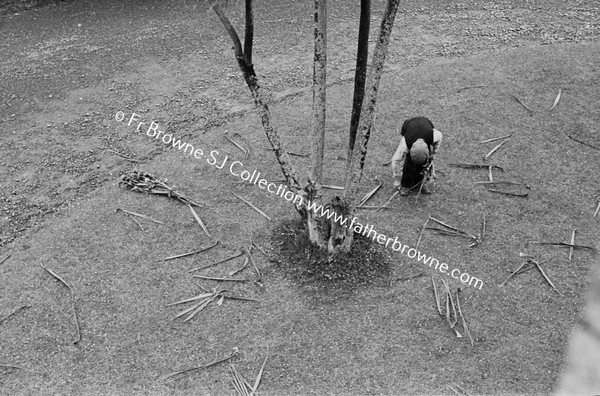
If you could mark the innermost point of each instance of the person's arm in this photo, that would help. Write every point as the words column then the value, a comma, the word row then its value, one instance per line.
column 398, row 159
column 437, row 140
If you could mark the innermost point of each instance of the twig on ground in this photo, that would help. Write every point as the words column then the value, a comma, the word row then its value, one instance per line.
column 191, row 253
column 452, row 228
column 249, row 254
column 566, row 245
column 72, row 298
column 595, row 214
column 237, row 145
column 495, row 139
column 370, row 194
column 125, row 157
column 7, row 257
column 421, row 233
column 523, row 104
column 220, row 279
column 492, row 151
column 173, row 376
column 437, row 300
column 512, row 274
column 557, row 99
column 375, row 207
column 582, row 142
column 135, row 221
column 508, row 193
column 56, row 277
column 9, row 366
column 218, row 262
column 490, row 176
column 405, row 278
column 470, row 87
column 476, row 166
column 462, row 316
column 544, row 274
column 14, row 312
column 572, row 243
column 332, row 187
column 246, row 261
column 199, row 220
column 253, row 207
column 260, row 249
column 500, row 182
column 389, row 200
column 139, row 215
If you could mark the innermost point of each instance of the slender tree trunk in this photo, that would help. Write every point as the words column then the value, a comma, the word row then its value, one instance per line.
column 244, row 61
column 356, row 158
column 360, row 75
column 319, row 117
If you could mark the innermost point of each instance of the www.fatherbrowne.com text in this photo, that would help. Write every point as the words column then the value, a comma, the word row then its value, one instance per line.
column 236, row 168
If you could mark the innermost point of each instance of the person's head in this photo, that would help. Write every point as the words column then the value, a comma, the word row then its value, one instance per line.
column 419, row 152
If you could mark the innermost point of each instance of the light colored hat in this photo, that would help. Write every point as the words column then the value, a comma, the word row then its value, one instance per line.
column 419, row 152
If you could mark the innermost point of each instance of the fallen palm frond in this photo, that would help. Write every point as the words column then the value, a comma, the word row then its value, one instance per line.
column 149, row 184
column 476, row 166
column 508, row 193
column 523, row 104
column 572, row 243
column 241, row 385
column 582, row 142
column 495, row 139
column 370, row 194
column 125, row 157
column 421, row 233
column 452, row 228
column 202, row 300
column 139, row 215
column 462, row 316
column 220, row 279
column 556, row 100
column 199, row 220
column 72, row 298
column 179, row 374
column 492, row 151
column 253, row 207
column 218, row 262
column 243, row 149
column 566, row 245
column 14, row 312
column 7, row 257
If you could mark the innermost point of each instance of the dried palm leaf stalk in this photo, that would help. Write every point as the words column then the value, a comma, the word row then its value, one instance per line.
column 149, row 184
